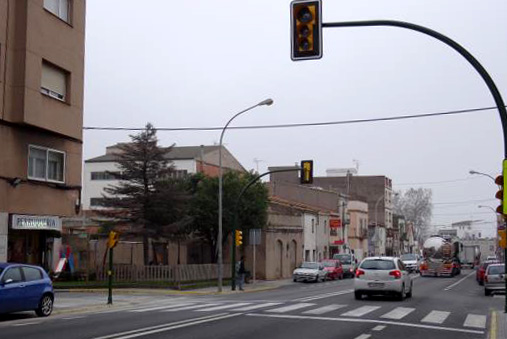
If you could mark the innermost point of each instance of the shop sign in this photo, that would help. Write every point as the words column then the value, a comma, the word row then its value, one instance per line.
column 35, row 222
column 333, row 223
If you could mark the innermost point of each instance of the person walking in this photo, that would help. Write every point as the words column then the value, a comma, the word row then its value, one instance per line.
column 241, row 273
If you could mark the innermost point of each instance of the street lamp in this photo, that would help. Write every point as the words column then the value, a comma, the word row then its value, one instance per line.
column 267, row 102
column 480, row 173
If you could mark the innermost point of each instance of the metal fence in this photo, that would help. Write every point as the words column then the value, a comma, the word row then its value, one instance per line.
column 179, row 273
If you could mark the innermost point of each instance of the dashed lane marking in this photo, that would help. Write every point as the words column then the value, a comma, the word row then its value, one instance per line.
column 379, row 328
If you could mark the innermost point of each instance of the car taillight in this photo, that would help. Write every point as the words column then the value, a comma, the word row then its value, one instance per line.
column 359, row 273
column 396, row 274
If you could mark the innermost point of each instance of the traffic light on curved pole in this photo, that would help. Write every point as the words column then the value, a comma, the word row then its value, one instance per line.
column 113, row 238
column 306, row 29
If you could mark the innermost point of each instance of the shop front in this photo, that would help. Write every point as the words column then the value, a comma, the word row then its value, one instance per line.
column 32, row 240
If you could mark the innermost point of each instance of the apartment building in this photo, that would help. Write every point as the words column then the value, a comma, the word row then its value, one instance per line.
column 41, row 117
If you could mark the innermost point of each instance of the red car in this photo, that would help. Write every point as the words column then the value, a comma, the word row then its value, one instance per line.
column 481, row 271
column 333, row 268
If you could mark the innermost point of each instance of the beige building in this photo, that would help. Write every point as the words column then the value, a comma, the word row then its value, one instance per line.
column 41, row 115
column 358, row 228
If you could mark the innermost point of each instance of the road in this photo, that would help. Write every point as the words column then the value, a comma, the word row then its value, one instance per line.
column 439, row 308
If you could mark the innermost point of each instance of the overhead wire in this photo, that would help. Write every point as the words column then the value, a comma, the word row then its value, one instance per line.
column 343, row 122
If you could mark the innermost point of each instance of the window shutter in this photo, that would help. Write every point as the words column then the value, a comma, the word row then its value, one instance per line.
column 54, row 79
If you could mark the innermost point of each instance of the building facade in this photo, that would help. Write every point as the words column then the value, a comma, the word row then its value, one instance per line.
column 358, row 229
column 41, row 117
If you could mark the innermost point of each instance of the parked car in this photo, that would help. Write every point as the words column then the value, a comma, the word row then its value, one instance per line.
column 494, row 279
column 481, row 271
column 411, row 262
column 348, row 263
column 309, row 271
column 25, row 288
column 333, row 268
column 382, row 275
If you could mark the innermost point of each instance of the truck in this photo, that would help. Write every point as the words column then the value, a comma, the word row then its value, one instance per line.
column 440, row 257
column 471, row 255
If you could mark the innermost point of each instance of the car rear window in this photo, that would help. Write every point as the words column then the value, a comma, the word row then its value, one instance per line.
column 496, row 269
column 344, row 258
column 32, row 274
column 329, row 263
column 378, row 264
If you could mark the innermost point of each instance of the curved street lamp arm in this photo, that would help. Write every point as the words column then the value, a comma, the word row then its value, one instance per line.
column 453, row 44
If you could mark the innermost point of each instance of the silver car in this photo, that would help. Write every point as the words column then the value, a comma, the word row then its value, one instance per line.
column 411, row 262
column 382, row 275
column 310, row 271
column 494, row 278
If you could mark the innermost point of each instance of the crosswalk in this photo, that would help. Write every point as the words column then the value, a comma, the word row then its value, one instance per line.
column 386, row 313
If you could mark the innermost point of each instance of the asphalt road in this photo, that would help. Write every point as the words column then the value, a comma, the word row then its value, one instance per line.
column 439, row 308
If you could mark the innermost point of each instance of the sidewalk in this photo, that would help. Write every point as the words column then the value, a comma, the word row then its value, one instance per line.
column 498, row 328
column 89, row 300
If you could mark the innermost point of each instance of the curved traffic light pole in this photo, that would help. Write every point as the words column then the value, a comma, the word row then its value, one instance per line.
column 454, row 45
column 236, row 207
column 461, row 50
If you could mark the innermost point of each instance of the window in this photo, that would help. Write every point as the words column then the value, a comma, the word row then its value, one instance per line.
column 179, row 174
column 53, row 81
column 14, row 274
column 60, row 8
column 96, row 201
column 32, row 274
column 46, row 164
column 108, row 175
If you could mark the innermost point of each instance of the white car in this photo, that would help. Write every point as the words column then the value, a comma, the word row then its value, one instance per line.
column 411, row 262
column 382, row 275
column 310, row 271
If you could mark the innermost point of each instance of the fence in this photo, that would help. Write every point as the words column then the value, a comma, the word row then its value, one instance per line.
column 179, row 273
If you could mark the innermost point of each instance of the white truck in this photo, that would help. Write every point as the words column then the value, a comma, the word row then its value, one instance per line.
column 471, row 255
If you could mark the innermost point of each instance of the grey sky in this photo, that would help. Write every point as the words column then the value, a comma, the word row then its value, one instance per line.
column 196, row 63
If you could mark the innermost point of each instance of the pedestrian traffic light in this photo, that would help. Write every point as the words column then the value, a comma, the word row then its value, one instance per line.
column 306, row 172
column 502, row 238
column 113, row 238
column 306, row 29
column 239, row 237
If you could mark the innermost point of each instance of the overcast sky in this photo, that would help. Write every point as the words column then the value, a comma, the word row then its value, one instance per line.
column 195, row 63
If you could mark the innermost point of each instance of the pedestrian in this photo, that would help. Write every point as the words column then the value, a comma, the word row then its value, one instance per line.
column 241, row 273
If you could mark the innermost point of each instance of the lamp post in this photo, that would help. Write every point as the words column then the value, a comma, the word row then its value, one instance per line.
column 484, row 174
column 267, row 102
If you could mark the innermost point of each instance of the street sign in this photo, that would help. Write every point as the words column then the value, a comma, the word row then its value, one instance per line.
column 254, row 237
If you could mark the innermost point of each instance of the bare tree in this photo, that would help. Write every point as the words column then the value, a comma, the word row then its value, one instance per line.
column 416, row 206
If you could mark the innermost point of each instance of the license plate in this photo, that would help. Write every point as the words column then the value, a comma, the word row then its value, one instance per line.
column 375, row 285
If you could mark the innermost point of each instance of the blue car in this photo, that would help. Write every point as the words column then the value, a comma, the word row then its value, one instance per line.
column 25, row 288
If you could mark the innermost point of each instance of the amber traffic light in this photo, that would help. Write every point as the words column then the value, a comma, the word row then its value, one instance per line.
column 306, row 176
column 306, row 29
column 113, row 238
column 238, row 237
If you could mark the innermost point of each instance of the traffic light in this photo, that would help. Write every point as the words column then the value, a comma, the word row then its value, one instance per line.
column 239, row 237
column 113, row 238
column 306, row 29
column 306, row 172
column 502, row 238
column 499, row 180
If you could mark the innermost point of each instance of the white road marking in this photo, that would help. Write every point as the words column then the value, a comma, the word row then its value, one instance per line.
column 159, row 307
column 363, row 336
column 27, row 324
column 193, row 307
column 325, row 295
column 378, row 328
column 371, row 321
column 436, row 317
column 475, row 320
column 325, row 309
column 398, row 313
column 223, row 307
column 76, row 317
column 255, row 307
column 290, row 308
column 457, row 282
column 359, row 312
column 167, row 327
